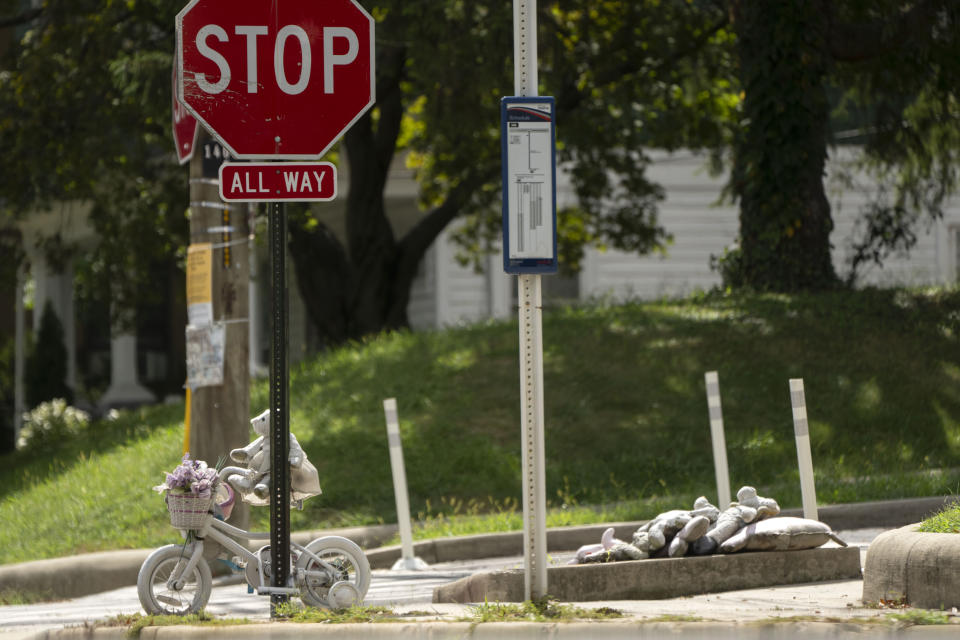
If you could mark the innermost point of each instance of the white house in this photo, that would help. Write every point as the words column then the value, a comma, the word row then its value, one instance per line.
column 447, row 293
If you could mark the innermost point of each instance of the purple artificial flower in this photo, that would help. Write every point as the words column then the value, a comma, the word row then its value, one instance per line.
column 201, row 488
column 191, row 475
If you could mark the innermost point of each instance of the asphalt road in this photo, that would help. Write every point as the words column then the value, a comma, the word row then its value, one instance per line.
column 403, row 591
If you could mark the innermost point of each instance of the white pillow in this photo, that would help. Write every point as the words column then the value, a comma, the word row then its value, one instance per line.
column 780, row 534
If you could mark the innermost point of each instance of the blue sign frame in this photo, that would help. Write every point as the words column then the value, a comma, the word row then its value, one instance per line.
column 532, row 247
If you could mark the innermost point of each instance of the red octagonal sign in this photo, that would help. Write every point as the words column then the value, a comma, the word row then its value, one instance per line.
column 276, row 79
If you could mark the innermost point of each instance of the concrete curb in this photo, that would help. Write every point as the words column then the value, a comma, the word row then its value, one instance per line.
column 75, row 576
column 493, row 545
column 660, row 578
column 922, row 568
column 608, row 630
column 85, row 574
column 882, row 513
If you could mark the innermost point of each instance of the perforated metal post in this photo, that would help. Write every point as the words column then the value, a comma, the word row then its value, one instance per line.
column 533, row 463
column 279, row 410
column 531, row 346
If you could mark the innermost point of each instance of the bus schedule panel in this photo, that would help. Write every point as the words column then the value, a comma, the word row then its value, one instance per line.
column 529, row 156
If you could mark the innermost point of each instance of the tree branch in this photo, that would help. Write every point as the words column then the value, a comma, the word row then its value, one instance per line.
column 572, row 96
column 390, row 103
column 859, row 41
column 415, row 243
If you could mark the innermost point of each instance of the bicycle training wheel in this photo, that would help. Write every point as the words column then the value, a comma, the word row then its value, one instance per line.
column 159, row 599
column 346, row 562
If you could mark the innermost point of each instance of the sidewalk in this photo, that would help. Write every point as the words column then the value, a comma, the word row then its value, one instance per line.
column 814, row 611
column 822, row 610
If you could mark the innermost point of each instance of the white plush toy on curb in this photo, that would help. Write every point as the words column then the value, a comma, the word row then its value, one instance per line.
column 254, row 485
column 609, row 550
column 749, row 508
column 691, row 532
column 659, row 532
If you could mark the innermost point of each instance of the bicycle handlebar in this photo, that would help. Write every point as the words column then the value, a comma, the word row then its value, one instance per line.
column 226, row 472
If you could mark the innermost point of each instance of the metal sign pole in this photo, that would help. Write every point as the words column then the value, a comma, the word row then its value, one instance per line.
column 279, row 412
column 531, row 346
column 534, row 462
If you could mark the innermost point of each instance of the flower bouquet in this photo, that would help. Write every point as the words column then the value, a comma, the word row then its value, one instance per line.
column 190, row 492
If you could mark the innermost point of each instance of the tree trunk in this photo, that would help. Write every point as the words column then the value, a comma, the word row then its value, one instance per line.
column 220, row 415
column 373, row 249
column 785, row 220
column 325, row 281
column 347, row 299
column 365, row 288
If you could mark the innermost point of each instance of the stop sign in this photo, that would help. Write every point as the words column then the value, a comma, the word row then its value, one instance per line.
column 184, row 127
column 278, row 79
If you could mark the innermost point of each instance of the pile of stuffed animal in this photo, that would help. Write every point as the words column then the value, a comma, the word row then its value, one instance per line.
column 705, row 530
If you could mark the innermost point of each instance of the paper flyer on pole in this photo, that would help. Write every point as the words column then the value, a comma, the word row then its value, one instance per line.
column 205, row 350
column 200, row 284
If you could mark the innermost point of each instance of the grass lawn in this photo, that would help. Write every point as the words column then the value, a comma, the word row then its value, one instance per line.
column 626, row 420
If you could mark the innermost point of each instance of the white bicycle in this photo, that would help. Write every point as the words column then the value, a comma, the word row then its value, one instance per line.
column 330, row 572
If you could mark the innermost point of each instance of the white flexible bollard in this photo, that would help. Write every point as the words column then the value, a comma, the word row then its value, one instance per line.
column 407, row 560
column 719, row 440
column 804, row 458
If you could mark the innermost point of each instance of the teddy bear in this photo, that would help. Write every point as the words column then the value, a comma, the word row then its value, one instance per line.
column 254, row 484
column 610, row 549
column 695, row 529
column 655, row 536
column 748, row 508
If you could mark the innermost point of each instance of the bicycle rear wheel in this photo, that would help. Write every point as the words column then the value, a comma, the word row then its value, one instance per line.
column 159, row 599
column 346, row 562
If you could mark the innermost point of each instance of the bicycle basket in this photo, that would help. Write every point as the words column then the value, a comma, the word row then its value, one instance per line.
column 188, row 511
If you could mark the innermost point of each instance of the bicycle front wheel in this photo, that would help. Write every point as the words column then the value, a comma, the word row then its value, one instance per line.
column 159, row 599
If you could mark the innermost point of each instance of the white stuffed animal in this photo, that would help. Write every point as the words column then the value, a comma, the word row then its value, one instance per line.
column 691, row 532
column 609, row 550
column 748, row 508
column 254, row 485
column 659, row 532
column 766, row 507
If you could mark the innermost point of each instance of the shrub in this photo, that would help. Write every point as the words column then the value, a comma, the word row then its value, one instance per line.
column 49, row 422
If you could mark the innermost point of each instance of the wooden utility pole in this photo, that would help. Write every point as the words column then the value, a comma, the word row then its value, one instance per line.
column 220, row 415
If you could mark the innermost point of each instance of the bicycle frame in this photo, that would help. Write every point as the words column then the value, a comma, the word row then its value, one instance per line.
column 225, row 535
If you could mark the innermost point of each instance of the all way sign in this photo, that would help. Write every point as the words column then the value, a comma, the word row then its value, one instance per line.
column 268, row 181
